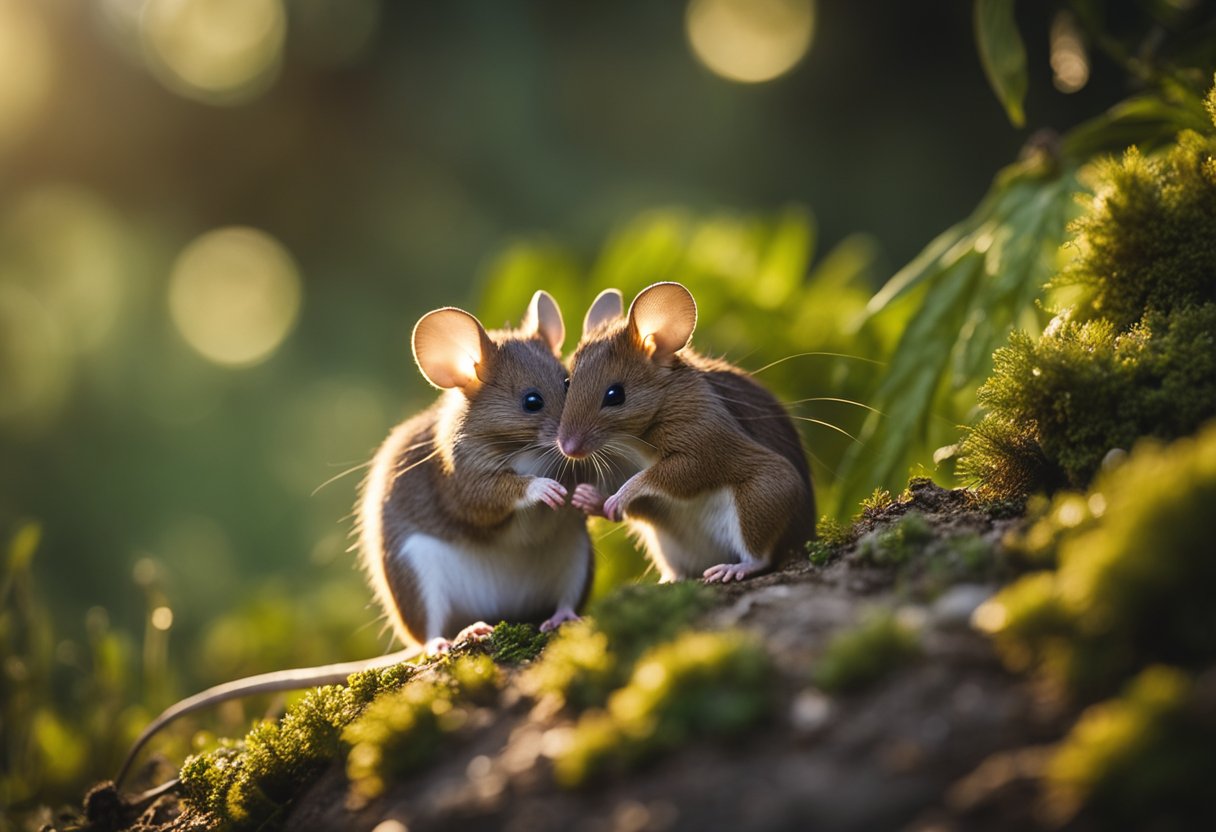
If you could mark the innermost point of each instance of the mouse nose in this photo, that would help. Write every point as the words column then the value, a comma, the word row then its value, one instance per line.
column 572, row 446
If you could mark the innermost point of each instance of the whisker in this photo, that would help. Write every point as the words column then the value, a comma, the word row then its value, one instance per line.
column 835, row 399
column 827, row 425
column 804, row 354
column 337, row 477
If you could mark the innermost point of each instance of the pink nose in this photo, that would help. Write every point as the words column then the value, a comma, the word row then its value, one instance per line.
column 572, row 446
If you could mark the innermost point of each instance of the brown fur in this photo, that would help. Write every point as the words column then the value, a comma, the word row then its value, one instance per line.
column 446, row 473
column 709, row 425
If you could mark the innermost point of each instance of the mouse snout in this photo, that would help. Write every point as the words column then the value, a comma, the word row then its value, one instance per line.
column 573, row 446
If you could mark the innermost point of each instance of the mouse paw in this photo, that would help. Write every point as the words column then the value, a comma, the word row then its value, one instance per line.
column 614, row 508
column 588, row 499
column 437, row 646
column 727, row 572
column 544, row 490
column 559, row 618
column 478, row 630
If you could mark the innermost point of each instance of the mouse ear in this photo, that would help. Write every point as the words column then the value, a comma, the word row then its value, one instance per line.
column 607, row 307
column 452, row 348
column 543, row 318
column 663, row 317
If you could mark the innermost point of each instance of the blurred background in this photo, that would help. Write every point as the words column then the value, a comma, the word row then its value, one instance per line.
column 220, row 219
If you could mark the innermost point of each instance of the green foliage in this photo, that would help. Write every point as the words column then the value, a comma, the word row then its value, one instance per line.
column 698, row 685
column 896, row 544
column 830, row 537
column 1134, row 574
column 1003, row 55
column 587, row 660
column 962, row 295
column 858, row 657
column 1142, row 760
column 516, row 643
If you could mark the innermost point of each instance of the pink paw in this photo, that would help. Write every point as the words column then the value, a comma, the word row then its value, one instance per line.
column 544, row 490
column 727, row 572
column 613, row 508
column 559, row 618
column 588, row 499
column 477, row 630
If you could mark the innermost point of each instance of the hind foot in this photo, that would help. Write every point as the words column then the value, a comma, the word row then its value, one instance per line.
column 727, row 572
column 479, row 629
column 559, row 618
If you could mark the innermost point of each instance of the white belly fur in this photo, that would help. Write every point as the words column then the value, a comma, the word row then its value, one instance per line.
column 698, row 533
column 533, row 566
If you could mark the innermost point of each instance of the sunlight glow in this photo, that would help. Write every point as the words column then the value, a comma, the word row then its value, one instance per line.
column 750, row 40
column 1069, row 63
column 219, row 51
column 234, row 294
column 27, row 68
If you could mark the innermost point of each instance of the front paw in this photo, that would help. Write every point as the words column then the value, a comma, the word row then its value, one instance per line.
column 559, row 618
column 543, row 490
column 588, row 499
column 614, row 506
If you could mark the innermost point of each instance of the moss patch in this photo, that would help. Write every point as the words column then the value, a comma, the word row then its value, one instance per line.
column 516, row 643
column 859, row 657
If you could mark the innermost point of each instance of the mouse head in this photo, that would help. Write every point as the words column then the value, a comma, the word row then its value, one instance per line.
column 511, row 382
column 620, row 371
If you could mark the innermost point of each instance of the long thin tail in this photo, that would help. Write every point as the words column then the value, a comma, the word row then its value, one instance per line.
column 279, row 680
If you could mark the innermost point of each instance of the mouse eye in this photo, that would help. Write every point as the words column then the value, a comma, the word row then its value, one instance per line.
column 566, row 381
column 533, row 401
column 614, row 395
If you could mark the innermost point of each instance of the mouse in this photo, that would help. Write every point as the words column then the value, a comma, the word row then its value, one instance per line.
column 711, row 475
column 460, row 520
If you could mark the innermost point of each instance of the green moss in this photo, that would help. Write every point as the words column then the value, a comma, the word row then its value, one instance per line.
column 1058, row 405
column 589, row 659
column 878, row 500
column 1145, row 242
column 698, row 685
column 516, row 643
column 402, row 731
column 1134, row 578
column 249, row 784
column 896, row 544
column 1143, row 760
column 831, row 536
column 858, row 657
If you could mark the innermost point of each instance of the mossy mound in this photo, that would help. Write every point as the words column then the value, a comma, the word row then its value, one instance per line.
column 1134, row 579
column 1135, row 356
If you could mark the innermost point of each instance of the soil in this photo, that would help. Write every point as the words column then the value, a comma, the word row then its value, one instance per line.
column 947, row 741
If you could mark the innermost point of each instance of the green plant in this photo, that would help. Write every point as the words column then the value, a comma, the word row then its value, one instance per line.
column 516, row 643
column 896, row 544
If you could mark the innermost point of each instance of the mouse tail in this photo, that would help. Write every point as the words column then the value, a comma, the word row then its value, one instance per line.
column 279, row 680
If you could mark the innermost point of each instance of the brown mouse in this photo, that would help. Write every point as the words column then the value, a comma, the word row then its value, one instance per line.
column 720, row 487
column 459, row 521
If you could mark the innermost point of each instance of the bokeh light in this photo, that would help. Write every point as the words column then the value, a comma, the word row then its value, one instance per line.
column 73, row 251
column 1069, row 63
column 234, row 294
column 27, row 68
column 750, row 40
column 219, row 51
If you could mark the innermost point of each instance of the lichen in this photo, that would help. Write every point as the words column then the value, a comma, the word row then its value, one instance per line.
column 859, row 656
column 697, row 685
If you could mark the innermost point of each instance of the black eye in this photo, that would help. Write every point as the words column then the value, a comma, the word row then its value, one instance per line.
column 533, row 401
column 614, row 395
column 566, row 381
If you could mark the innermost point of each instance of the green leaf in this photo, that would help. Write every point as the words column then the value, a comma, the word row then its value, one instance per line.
column 1002, row 54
